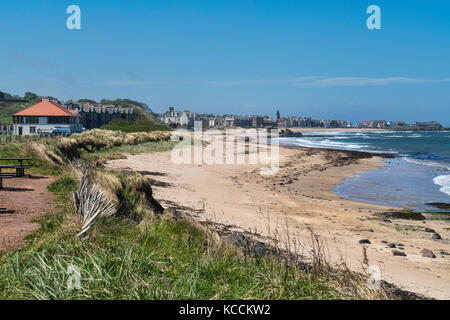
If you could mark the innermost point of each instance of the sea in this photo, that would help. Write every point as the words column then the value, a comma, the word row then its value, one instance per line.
column 419, row 172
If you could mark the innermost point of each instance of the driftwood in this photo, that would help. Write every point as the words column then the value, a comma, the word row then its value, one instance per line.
column 90, row 203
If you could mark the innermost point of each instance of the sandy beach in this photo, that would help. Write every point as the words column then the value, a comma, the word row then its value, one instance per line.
column 299, row 199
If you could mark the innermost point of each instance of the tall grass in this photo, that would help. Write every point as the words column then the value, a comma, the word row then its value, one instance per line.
column 52, row 154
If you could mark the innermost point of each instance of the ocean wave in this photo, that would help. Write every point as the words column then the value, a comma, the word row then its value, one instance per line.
column 426, row 163
column 326, row 143
column 444, row 182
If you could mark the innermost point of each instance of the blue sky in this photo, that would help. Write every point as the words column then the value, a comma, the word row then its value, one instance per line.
column 306, row 58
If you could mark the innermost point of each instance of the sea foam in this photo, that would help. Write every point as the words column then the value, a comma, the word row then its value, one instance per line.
column 444, row 182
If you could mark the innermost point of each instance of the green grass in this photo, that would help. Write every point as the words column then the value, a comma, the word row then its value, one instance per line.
column 63, row 186
column 156, row 259
column 6, row 119
column 9, row 108
column 140, row 125
column 121, row 151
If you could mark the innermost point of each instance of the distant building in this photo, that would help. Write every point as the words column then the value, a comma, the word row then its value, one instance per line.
column 229, row 122
column 400, row 124
column 182, row 118
column 44, row 117
column 95, row 116
column 268, row 122
column 213, row 122
column 257, row 121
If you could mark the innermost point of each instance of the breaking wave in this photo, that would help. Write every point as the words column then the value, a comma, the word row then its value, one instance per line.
column 444, row 182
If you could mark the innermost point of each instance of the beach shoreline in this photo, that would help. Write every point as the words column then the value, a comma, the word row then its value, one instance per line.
column 299, row 200
column 336, row 129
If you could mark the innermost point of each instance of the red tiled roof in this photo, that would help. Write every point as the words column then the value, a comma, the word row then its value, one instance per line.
column 46, row 108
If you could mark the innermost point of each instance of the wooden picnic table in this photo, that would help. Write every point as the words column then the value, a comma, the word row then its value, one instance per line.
column 3, row 176
column 20, row 168
column 21, row 160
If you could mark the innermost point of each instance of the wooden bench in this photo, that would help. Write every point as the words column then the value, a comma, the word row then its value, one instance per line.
column 20, row 168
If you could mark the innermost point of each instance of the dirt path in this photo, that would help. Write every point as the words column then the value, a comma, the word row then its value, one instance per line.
column 300, row 198
column 22, row 200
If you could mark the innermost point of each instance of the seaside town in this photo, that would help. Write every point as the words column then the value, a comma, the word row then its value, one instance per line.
column 51, row 117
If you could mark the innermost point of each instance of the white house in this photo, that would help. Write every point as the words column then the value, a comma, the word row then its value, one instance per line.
column 44, row 117
column 178, row 117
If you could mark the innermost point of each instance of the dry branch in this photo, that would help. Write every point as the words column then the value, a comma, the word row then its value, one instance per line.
column 90, row 203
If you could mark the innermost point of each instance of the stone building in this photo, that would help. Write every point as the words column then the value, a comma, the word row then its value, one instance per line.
column 95, row 116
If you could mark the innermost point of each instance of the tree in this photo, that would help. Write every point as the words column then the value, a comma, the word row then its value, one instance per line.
column 30, row 96
column 86, row 101
column 5, row 95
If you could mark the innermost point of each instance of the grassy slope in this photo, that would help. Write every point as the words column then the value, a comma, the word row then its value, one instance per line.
column 9, row 108
column 140, row 125
column 145, row 258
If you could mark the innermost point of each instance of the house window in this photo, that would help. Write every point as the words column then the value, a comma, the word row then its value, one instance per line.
column 18, row 120
column 58, row 120
column 32, row 120
column 32, row 129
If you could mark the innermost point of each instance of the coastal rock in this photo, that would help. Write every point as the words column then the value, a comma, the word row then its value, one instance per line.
column 364, row 241
column 238, row 239
column 440, row 205
column 259, row 249
column 404, row 214
column 429, row 230
column 286, row 133
column 427, row 253
column 398, row 253
column 436, row 236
